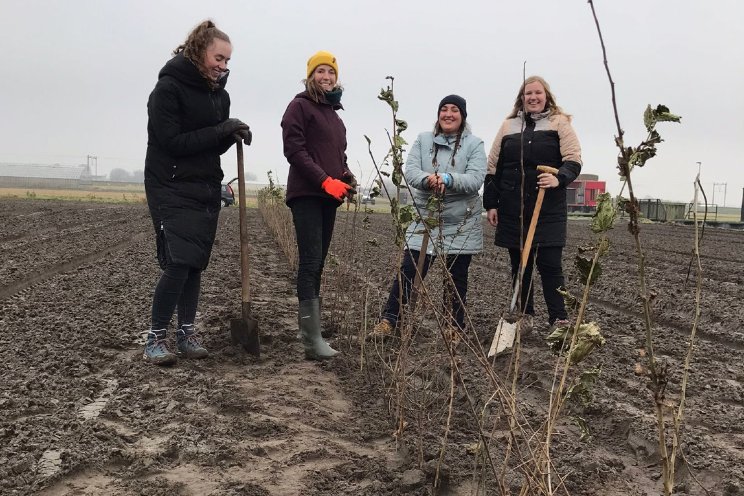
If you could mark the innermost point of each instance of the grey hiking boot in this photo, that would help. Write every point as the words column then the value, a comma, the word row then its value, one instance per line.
column 309, row 321
column 188, row 343
column 156, row 349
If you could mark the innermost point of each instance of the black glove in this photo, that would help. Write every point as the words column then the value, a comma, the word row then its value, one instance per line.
column 245, row 135
column 349, row 179
column 230, row 127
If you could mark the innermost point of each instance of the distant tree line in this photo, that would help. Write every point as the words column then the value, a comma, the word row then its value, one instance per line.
column 124, row 176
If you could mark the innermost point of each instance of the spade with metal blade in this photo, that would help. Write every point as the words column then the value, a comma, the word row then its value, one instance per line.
column 506, row 330
column 244, row 331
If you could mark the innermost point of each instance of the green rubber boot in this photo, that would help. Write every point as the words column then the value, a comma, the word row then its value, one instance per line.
column 309, row 321
column 326, row 333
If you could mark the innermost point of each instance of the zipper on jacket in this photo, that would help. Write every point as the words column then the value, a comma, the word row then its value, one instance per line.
column 166, row 248
column 215, row 108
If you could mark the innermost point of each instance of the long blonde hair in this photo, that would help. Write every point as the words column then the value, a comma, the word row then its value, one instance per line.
column 317, row 94
column 550, row 103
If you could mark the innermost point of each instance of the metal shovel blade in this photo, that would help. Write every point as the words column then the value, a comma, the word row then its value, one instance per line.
column 503, row 339
column 244, row 332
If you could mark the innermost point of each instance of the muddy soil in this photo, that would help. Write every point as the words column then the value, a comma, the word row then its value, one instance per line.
column 83, row 414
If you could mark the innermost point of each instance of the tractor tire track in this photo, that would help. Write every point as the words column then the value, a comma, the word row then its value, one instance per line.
column 13, row 235
column 38, row 277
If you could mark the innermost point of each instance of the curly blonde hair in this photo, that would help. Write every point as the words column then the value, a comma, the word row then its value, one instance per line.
column 197, row 43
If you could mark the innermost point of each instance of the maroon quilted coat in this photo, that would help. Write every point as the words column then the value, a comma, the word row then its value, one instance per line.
column 314, row 144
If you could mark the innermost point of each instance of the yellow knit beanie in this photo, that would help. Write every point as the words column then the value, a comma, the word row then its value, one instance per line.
column 319, row 58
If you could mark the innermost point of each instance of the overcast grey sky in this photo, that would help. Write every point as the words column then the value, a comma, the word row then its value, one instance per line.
column 77, row 74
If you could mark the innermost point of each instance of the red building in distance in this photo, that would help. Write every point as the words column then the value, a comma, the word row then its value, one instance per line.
column 581, row 195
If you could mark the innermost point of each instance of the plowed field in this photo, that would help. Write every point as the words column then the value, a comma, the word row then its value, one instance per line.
column 81, row 412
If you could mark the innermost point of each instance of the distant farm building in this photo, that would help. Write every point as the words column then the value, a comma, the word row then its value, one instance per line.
column 581, row 195
column 44, row 176
column 663, row 211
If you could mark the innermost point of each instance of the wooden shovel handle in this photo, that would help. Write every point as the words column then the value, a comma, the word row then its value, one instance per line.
column 535, row 215
column 419, row 270
column 548, row 169
column 245, row 288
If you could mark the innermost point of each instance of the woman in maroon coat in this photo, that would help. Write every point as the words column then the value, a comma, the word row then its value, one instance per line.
column 315, row 146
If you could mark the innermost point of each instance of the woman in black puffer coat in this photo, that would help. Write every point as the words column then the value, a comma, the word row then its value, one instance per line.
column 537, row 132
column 187, row 131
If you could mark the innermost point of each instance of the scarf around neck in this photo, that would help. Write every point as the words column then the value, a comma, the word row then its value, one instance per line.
column 535, row 116
column 334, row 96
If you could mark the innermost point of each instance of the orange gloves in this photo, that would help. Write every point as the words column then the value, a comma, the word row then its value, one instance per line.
column 336, row 188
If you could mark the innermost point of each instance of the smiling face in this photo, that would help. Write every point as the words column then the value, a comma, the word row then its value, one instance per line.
column 534, row 97
column 325, row 77
column 216, row 57
column 450, row 118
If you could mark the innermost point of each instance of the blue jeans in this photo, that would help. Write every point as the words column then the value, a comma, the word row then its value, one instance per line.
column 457, row 265
column 314, row 219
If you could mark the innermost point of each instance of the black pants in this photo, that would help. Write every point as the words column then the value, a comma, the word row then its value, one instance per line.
column 178, row 287
column 551, row 272
column 457, row 265
column 314, row 219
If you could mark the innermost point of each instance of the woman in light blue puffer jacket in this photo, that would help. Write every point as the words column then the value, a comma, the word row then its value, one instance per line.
column 450, row 163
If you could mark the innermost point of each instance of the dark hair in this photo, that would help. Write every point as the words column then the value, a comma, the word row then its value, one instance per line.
column 199, row 40
column 438, row 131
column 463, row 126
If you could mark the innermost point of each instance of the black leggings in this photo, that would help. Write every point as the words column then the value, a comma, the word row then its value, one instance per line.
column 314, row 219
column 551, row 272
column 178, row 287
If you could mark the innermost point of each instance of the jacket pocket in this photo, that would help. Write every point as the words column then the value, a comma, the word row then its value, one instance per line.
column 507, row 185
column 162, row 247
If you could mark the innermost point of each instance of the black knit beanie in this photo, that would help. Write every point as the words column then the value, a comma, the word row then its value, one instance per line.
column 457, row 101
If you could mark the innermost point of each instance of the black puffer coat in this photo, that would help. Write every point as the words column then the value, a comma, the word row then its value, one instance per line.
column 546, row 140
column 182, row 167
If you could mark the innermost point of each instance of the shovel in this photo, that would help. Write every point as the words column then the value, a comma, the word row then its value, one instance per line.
column 244, row 331
column 419, row 270
column 507, row 328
